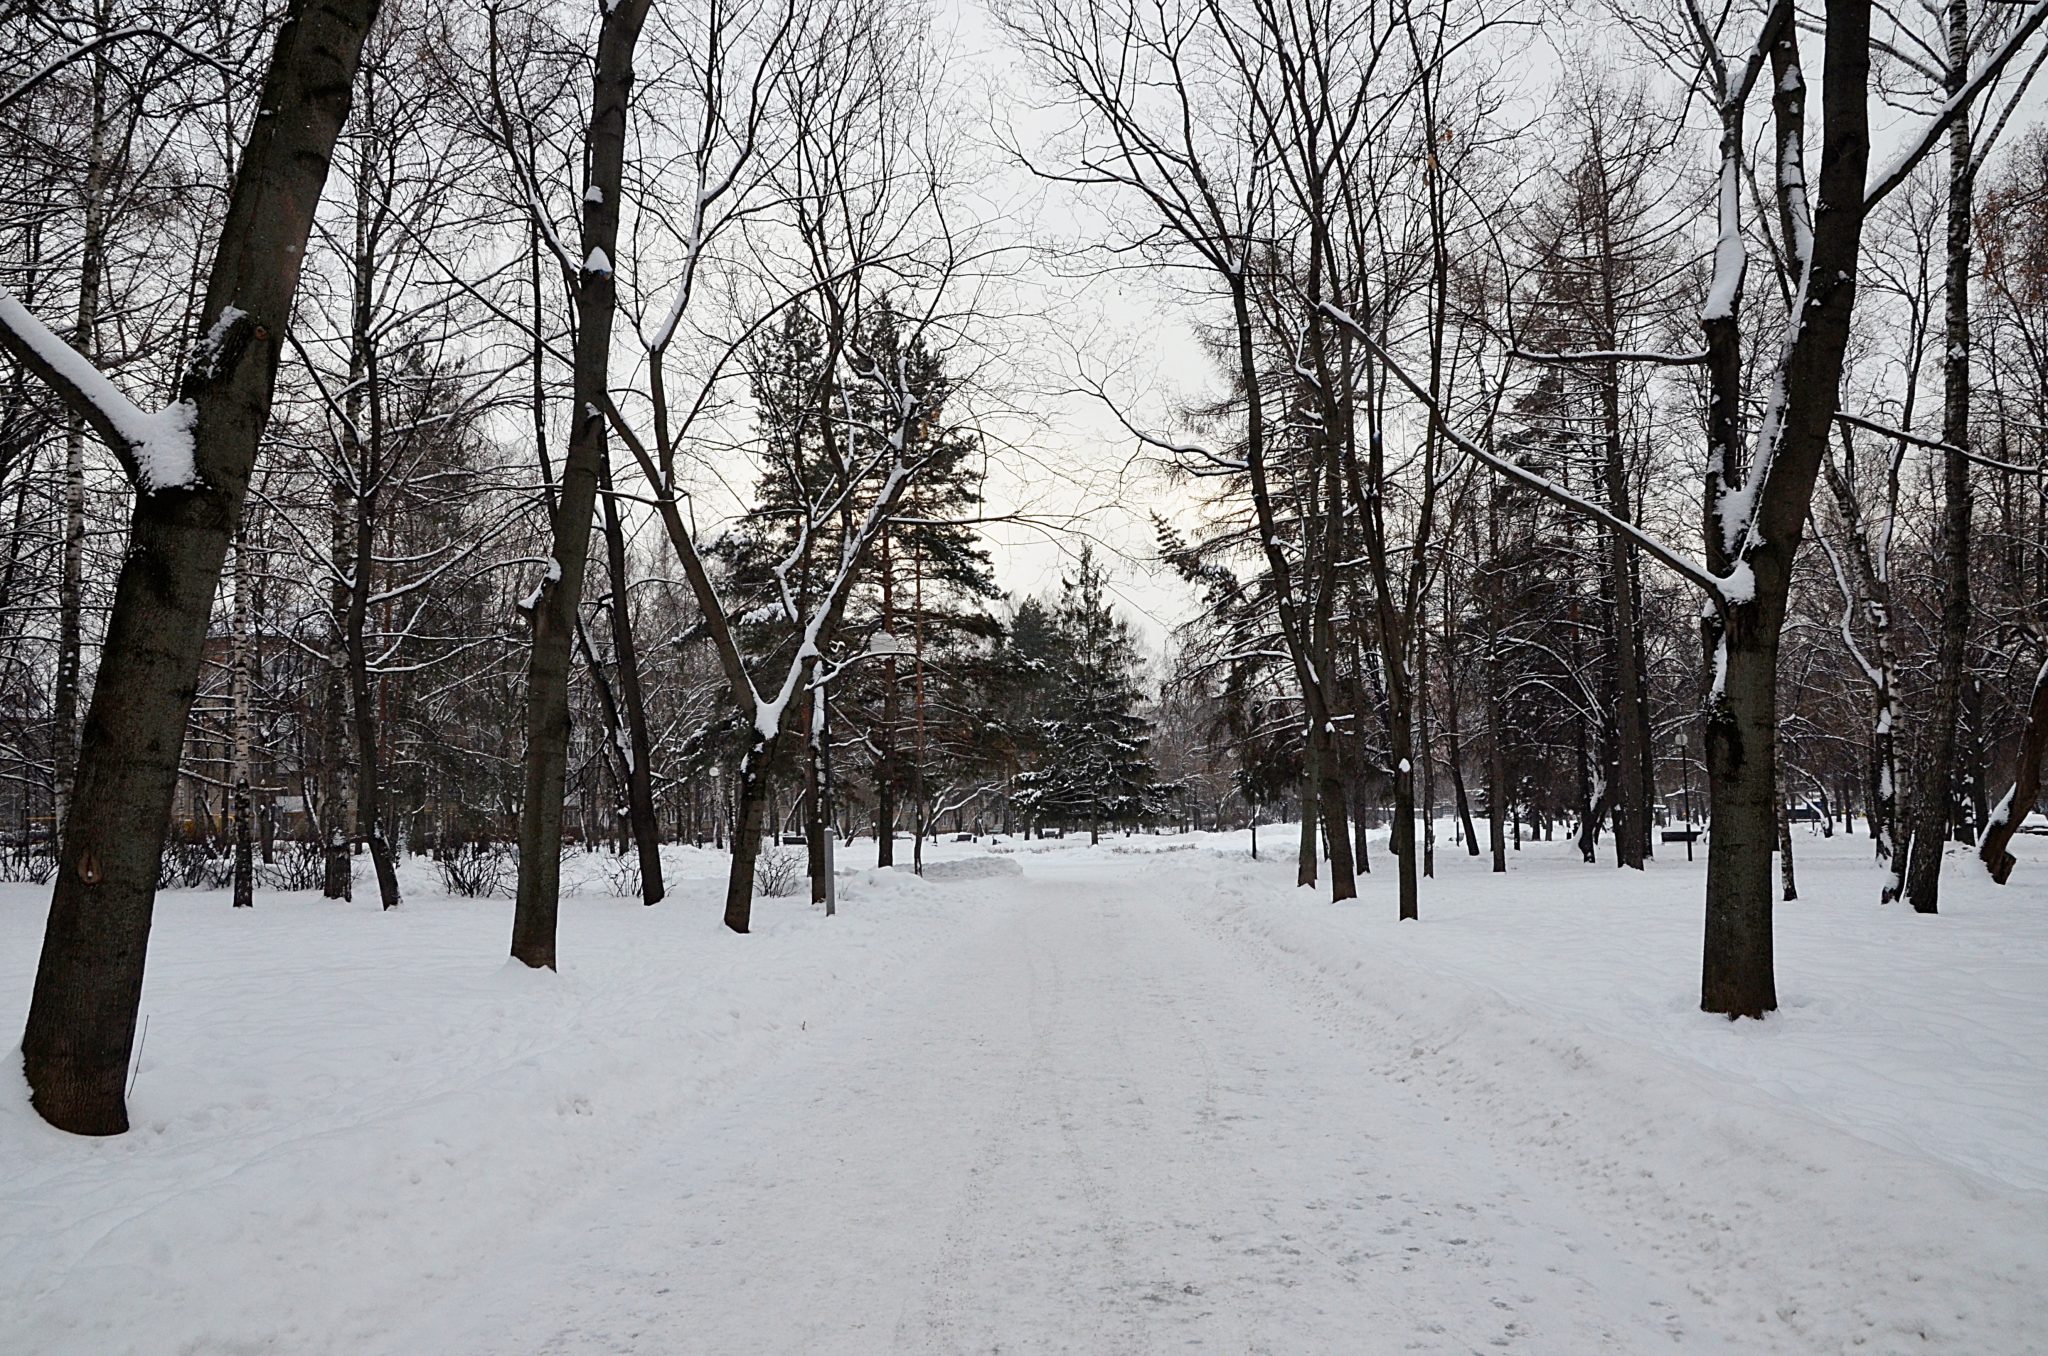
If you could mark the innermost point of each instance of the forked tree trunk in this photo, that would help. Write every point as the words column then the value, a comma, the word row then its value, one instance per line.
column 561, row 591
column 81, row 1021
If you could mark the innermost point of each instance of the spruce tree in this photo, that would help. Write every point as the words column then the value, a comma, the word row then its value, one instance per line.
column 1094, row 762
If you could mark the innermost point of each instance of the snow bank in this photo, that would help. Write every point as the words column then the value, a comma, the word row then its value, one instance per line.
column 971, row 868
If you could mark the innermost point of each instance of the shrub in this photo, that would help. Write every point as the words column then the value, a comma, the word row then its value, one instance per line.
column 297, row 866
column 475, row 870
column 195, row 866
column 777, row 871
column 622, row 875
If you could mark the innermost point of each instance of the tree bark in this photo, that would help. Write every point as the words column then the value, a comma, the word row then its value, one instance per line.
column 71, row 584
column 750, row 819
column 1933, row 814
column 81, row 1021
column 638, row 748
column 555, row 608
column 2004, row 821
column 1738, row 975
column 244, row 718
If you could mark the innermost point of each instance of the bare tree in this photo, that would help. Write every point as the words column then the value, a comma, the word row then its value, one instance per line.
column 190, row 466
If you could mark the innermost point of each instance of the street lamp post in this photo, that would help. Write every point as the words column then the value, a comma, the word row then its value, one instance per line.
column 1685, row 783
column 717, row 811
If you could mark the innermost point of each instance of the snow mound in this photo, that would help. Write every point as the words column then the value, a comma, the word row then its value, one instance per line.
column 973, row 868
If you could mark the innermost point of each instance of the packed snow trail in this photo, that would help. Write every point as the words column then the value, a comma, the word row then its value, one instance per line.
column 1090, row 1123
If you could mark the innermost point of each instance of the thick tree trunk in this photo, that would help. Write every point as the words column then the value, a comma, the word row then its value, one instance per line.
column 751, row 820
column 81, row 1021
column 1738, row 977
column 2004, row 821
column 561, row 592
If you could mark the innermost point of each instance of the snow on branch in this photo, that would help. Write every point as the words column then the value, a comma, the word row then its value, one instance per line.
column 1902, row 166
column 155, row 448
column 1736, row 588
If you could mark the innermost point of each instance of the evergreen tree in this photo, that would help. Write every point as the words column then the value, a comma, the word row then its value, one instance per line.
column 1094, row 760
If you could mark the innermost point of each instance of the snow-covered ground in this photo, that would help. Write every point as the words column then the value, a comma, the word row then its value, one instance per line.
column 1141, row 1096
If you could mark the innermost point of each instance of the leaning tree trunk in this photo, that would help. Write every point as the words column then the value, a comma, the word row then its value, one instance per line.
column 561, row 591
column 2004, row 821
column 638, row 747
column 81, row 1021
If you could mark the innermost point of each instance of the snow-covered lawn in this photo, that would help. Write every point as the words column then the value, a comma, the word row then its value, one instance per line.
column 1139, row 1096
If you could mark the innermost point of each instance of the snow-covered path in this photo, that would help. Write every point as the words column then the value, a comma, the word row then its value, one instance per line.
column 1097, row 1121
column 1138, row 1097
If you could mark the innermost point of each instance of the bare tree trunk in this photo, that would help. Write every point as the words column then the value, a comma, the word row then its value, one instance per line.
column 1630, row 809
column 561, row 592
column 1922, row 887
column 71, row 584
column 81, row 1021
column 2004, row 821
column 1788, row 888
column 751, row 818
column 1738, row 975
column 885, row 738
column 637, row 750
column 244, row 717
column 1307, row 858
column 369, row 772
column 816, row 817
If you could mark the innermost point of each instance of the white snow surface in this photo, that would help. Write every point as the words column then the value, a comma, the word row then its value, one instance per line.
column 1143, row 1096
